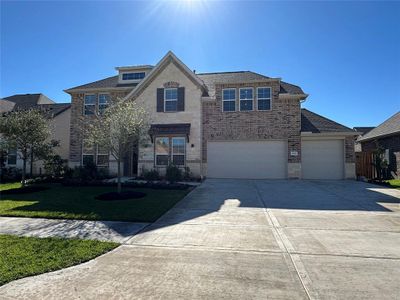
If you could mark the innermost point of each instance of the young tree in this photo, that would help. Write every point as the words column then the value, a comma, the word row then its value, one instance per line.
column 29, row 132
column 122, row 125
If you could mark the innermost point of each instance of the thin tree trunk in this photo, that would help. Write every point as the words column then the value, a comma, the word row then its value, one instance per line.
column 119, row 176
column 31, row 164
column 23, row 171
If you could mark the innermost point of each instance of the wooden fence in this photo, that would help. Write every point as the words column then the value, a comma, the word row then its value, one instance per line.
column 364, row 165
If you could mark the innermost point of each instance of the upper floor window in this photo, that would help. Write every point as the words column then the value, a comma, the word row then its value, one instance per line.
column 104, row 101
column 246, row 99
column 89, row 104
column 133, row 76
column 171, row 99
column 263, row 98
column 229, row 99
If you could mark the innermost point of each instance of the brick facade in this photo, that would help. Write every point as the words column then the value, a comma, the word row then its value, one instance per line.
column 79, row 122
column 282, row 122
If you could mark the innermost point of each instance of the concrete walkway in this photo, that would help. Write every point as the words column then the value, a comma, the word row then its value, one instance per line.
column 248, row 239
column 118, row 232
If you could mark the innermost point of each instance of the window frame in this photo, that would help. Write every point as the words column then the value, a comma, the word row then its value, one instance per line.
column 101, row 111
column 98, row 153
column 93, row 154
column 270, row 98
column 184, row 149
column 163, row 154
column 14, row 150
column 230, row 100
column 252, row 99
column 85, row 105
column 133, row 79
column 170, row 153
column 169, row 100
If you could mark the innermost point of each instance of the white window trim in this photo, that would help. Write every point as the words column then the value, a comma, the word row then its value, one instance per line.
column 98, row 153
column 156, row 153
column 84, row 153
column 84, row 104
column 184, row 149
column 252, row 99
column 270, row 98
column 16, row 157
column 230, row 100
column 98, row 101
column 165, row 99
column 131, row 80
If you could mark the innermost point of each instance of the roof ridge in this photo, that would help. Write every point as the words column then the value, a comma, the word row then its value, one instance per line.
column 224, row 72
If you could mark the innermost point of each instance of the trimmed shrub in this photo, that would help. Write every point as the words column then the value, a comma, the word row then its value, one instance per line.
column 151, row 175
column 173, row 174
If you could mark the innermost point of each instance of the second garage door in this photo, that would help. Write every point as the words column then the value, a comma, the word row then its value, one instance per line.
column 322, row 159
column 245, row 159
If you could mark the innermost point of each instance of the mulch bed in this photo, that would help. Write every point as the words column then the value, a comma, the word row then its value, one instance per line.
column 125, row 195
column 24, row 190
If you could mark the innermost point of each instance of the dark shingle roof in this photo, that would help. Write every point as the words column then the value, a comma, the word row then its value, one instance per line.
column 312, row 122
column 390, row 126
column 55, row 109
column 6, row 105
column 24, row 101
column 109, row 82
column 363, row 130
column 210, row 79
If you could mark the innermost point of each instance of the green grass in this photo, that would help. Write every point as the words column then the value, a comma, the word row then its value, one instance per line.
column 26, row 256
column 79, row 203
column 8, row 186
column 394, row 183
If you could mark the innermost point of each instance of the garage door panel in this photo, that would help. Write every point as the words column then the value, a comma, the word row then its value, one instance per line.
column 322, row 159
column 245, row 159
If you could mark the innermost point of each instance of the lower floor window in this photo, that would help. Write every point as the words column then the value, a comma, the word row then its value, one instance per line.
column 94, row 154
column 170, row 150
column 87, row 159
column 12, row 157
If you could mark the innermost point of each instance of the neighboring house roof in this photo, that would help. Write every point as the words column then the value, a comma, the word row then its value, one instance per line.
column 26, row 101
column 6, row 106
column 312, row 122
column 210, row 79
column 363, row 130
column 33, row 101
column 389, row 127
column 109, row 82
column 53, row 110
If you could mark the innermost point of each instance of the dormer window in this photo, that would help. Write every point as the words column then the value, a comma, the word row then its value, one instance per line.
column 133, row 76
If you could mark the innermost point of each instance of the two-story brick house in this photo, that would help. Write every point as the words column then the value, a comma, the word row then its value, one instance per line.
column 220, row 125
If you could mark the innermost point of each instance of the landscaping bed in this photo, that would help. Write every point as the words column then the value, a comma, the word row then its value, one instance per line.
column 26, row 256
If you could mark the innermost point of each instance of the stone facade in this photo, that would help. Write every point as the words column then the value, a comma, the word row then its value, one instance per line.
column 171, row 72
column 390, row 142
column 282, row 122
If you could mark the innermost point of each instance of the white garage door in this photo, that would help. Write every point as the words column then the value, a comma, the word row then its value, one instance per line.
column 244, row 159
column 323, row 159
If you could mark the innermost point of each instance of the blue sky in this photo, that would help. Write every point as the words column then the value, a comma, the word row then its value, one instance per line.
column 346, row 55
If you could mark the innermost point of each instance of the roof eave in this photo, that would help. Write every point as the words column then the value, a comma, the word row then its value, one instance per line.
column 363, row 139
column 84, row 90
column 330, row 134
column 293, row 96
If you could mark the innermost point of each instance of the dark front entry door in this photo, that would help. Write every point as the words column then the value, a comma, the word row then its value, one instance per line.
column 131, row 162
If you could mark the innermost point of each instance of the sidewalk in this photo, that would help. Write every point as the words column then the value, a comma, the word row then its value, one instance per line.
column 93, row 230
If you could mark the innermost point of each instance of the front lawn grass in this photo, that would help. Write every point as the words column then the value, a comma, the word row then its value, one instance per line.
column 394, row 183
column 9, row 186
column 26, row 256
column 60, row 202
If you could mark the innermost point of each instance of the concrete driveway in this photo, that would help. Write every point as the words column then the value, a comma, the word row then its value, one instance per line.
column 248, row 239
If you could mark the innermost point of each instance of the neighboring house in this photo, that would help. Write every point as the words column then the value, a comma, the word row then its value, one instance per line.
column 361, row 131
column 59, row 115
column 220, row 125
column 387, row 136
